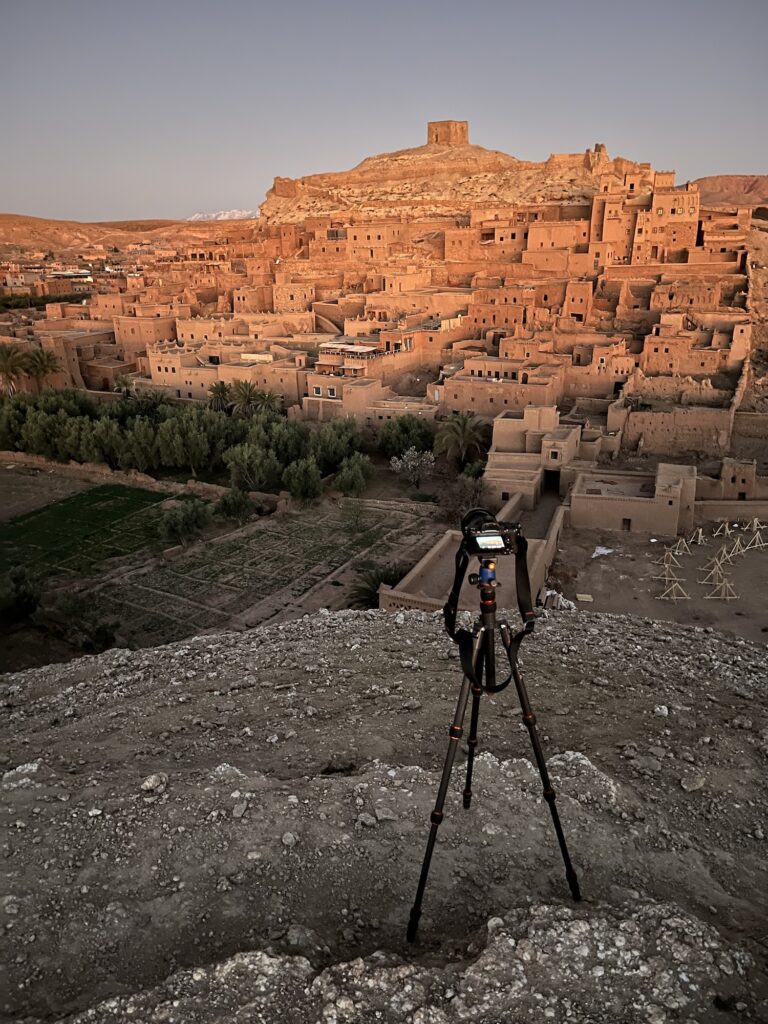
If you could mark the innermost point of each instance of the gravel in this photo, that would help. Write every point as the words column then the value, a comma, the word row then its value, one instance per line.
column 162, row 860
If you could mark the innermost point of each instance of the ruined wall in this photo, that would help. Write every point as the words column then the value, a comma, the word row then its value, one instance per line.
column 678, row 431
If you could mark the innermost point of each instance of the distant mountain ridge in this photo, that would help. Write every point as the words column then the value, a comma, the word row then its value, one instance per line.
column 734, row 189
column 226, row 215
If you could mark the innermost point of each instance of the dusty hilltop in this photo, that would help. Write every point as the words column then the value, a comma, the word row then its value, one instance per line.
column 230, row 828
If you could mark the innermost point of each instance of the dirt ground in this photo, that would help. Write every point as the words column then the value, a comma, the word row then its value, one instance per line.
column 622, row 581
column 23, row 489
column 245, row 815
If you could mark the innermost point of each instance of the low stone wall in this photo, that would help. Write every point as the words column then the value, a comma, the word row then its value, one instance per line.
column 98, row 473
column 711, row 511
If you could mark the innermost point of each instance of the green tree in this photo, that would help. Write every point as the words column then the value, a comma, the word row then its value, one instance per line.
column 414, row 466
column 19, row 595
column 364, row 593
column 219, row 396
column 140, row 450
column 252, row 469
column 39, row 364
column 169, row 445
column 37, row 434
column 398, row 435
column 460, row 437
column 245, row 398
column 290, row 440
column 354, row 474
column 270, row 401
column 13, row 365
column 465, row 493
column 302, row 478
column 183, row 521
column 107, row 442
column 235, row 504
column 329, row 447
column 124, row 385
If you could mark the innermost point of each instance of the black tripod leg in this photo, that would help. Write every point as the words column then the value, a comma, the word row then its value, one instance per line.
column 454, row 733
column 472, row 744
column 549, row 794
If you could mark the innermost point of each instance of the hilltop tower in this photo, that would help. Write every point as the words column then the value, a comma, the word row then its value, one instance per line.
column 447, row 133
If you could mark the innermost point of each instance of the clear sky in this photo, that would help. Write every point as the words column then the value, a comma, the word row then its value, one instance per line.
column 161, row 108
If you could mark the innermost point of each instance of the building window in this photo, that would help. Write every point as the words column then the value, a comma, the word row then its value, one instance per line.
column 317, row 391
column 331, row 392
column 553, row 455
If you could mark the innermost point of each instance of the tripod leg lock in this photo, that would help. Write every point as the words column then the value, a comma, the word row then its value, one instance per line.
column 549, row 795
column 456, row 732
column 436, row 817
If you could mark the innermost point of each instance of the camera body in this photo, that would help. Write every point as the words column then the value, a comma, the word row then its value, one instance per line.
column 487, row 538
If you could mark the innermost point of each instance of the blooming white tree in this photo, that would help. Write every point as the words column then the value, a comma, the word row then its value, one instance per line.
column 413, row 465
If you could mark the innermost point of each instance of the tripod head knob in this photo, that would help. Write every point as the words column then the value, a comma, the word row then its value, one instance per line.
column 487, row 575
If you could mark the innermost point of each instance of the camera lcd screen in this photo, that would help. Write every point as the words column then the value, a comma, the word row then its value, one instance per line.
column 490, row 542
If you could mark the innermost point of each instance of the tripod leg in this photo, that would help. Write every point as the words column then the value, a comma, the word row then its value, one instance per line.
column 549, row 794
column 472, row 740
column 436, row 817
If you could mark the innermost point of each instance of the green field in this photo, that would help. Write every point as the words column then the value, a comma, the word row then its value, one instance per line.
column 75, row 535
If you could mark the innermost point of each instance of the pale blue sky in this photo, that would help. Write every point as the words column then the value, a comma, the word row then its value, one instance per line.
column 161, row 108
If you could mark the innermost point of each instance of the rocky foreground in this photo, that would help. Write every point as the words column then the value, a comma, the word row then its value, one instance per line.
column 231, row 828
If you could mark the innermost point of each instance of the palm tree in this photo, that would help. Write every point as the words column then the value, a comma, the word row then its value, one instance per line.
column 270, row 401
column 12, row 366
column 124, row 385
column 245, row 398
column 218, row 396
column 365, row 592
column 39, row 364
column 461, row 435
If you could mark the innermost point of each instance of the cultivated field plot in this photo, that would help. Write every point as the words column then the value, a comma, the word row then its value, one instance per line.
column 263, row 570
column 23, row 489
column 77, row 534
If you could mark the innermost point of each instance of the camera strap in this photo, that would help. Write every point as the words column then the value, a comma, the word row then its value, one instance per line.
column 463, row 637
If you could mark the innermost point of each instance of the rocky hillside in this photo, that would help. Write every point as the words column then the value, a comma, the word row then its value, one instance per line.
column 734, row 190
column 438, row 180
column 231, row 828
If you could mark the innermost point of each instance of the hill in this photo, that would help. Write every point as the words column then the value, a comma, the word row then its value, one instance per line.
column 22, row 233
column 439, row 180
column 231, row 828
column 734, row 190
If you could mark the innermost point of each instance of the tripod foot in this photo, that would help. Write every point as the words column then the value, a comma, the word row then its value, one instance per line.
column 573, row 885
column 413, row 925
column 467, row 799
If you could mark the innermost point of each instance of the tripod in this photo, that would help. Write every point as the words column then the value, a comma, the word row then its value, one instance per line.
column 478, row 655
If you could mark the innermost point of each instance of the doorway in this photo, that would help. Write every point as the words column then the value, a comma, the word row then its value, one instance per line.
column 551, row 481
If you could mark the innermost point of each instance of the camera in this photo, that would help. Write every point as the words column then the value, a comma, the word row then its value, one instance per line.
column 485, row 537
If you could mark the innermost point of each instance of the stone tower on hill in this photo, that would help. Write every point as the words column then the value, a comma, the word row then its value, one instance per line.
column 447, row 133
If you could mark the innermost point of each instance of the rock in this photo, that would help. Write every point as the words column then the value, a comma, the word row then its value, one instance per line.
column 155, row 784
column 239, row 809
column 691, row 783
column 366, row 820
column 661, row 711
column 289, row 840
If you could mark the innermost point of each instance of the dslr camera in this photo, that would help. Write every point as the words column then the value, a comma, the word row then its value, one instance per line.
column 485, row 537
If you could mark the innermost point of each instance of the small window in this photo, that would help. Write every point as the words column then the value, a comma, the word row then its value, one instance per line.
column 331, row 392
column 317, row 391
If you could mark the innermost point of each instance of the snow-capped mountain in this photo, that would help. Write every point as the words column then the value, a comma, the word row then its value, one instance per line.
column 226, row 215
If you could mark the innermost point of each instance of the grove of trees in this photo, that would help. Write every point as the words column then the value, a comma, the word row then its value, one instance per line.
column 241, row 436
